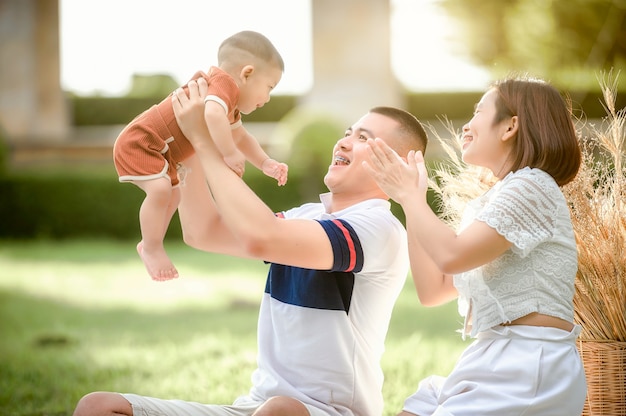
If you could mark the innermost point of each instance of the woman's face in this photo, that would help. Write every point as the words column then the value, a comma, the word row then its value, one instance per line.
column 482, row 140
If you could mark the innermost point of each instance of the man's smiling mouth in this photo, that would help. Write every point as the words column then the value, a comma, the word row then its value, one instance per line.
column 340, row 161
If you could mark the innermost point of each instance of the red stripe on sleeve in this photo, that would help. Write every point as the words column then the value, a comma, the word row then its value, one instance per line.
column 350, row 243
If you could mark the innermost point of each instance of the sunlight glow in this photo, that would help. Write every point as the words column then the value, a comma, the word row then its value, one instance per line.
column 105, row 42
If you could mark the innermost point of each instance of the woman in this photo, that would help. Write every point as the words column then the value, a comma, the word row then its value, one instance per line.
column 512, row 263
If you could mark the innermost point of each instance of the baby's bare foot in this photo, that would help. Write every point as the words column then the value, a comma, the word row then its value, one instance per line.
column 159, row 266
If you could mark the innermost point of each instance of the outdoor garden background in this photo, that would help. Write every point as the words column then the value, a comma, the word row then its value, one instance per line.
column 78, row 312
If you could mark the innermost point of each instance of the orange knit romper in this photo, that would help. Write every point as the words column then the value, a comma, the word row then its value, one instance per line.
column 152, row 145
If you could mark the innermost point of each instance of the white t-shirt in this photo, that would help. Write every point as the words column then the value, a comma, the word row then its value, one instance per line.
column 537, row 273
column 322, row 333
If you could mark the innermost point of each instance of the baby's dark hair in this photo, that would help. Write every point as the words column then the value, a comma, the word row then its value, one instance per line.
column 246, row 44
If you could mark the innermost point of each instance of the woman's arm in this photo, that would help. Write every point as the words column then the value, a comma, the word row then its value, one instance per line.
column 407, row 183
column 433, row 287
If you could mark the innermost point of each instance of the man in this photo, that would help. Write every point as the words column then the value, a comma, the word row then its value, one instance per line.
column 336, row 270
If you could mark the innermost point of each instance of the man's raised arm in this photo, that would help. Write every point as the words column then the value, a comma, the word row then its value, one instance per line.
column 257, row 231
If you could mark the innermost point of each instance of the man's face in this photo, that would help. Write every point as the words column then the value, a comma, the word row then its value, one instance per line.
column 346, row 172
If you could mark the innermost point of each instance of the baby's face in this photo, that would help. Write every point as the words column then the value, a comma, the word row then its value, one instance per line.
column 255, row 90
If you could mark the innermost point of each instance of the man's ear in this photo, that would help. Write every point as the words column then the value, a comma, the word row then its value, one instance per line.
column 511, row 128
column 245, row 72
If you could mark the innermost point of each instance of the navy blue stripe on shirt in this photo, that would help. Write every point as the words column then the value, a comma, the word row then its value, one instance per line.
column 321, row 289
column 310, row 288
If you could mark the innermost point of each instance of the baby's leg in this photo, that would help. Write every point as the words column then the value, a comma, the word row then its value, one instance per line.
column 154, row 217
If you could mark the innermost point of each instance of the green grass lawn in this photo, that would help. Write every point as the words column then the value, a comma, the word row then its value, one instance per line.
column 82, row 316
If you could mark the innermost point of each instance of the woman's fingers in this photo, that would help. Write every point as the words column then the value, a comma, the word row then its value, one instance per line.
column 382, row 152
column 380, row 156
column 374, row 163
column 421, row 170
column 386, row 152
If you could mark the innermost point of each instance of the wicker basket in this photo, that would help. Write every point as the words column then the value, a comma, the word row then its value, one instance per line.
column 605, row 369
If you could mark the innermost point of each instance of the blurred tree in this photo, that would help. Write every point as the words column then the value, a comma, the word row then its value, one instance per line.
column 566, row 41
column 309, row 137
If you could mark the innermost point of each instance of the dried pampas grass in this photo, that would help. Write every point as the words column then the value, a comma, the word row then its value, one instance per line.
column 597, row 198
column 454, row 182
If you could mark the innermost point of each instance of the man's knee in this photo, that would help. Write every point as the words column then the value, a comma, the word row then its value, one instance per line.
column 103, row 404
column 282, row 406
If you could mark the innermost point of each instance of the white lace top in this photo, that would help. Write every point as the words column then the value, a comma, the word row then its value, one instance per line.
column 537, row 273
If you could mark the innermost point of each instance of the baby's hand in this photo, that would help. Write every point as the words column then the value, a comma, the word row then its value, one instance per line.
column 237, row 162
column 276, row 170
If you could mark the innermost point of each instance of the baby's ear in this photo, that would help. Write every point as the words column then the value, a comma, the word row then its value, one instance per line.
column 246, row 71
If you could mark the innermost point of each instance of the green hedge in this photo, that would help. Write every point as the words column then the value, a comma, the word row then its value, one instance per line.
column 426, row 106
column 59, row 207
column 77, row 207
column 98, row 111
column 460, row 105
column 56, row 207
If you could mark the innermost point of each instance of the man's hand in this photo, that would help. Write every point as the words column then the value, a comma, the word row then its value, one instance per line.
column 189, row 110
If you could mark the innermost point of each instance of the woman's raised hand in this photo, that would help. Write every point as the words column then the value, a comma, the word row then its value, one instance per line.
column 401, row 180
